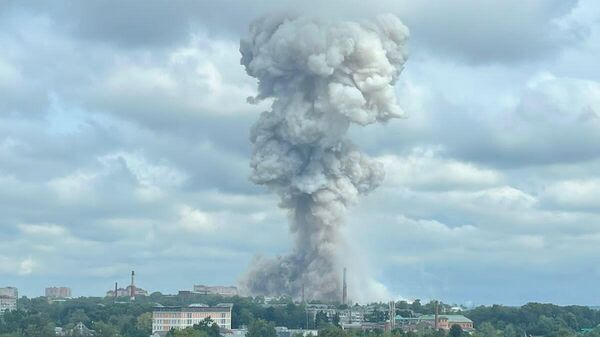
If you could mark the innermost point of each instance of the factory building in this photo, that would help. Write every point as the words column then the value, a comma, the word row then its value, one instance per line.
column 58, row 292
column 126, row 292
column 166, row 318
column 216, row 290
column 444, row 322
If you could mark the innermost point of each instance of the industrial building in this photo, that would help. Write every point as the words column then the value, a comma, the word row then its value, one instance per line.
column 447, row 321
column 216, row 290
column 58, row 292
column 444, row 322
column 131, row 291
column 167, row 318
column 126, row 292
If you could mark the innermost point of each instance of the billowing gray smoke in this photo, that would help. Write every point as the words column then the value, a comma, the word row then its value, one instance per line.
column 321, row 76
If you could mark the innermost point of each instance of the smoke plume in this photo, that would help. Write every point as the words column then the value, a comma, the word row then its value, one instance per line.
column 321, row 77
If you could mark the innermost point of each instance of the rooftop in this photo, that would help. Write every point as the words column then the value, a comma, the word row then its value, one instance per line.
column 450, row 318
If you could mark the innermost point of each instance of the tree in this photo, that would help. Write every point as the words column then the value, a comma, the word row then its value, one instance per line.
column 77, row 316
column 187, row 332
column 487, row 330
column 144, row 322
column 209, row 327
column 416, row 305
column 510, row 331
column 332, row 331
column 105, row 329
column 336, row 320
column 455, row 331
column 261, row 328
column 321, row 319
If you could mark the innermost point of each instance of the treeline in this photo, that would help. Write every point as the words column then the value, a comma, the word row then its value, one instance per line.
column 38, row 317
column 536, row 319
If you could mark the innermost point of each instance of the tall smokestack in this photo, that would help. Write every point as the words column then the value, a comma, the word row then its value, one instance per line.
column 321, row 77
column 344, row 289
column 132, row 285
column 116, row 291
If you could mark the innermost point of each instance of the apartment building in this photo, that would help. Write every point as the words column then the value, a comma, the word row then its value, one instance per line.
column 8, row 299
column 10, row 292
column 7, row 303
column 58, row 292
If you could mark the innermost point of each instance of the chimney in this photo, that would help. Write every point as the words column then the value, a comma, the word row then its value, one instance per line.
column 132, row 285
column 344, row 289
column 116, row 289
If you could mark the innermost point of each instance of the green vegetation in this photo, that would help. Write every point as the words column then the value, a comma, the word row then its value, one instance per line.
column 38, row 318
column 536, row 319
column 261, row 328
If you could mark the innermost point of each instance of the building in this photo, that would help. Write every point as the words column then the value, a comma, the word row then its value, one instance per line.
column 167, row 318
column 8, row 299
column 58, row 292
column 352, row 315
column 285, row 332
column 78, row 330
column 7, row 303
column 216, row 290
column 10, row 292
column 445, row 322
column 410, row 323
column 126, row 292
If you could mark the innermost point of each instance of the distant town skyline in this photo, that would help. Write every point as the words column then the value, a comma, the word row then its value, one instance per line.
column 124, row 145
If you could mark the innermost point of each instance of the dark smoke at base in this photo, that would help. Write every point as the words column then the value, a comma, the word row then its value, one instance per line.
column 321, row 76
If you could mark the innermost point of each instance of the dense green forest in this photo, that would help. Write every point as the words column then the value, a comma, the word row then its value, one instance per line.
column 38, row 318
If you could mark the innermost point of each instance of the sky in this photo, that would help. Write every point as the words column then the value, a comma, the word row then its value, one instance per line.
column 124, row 144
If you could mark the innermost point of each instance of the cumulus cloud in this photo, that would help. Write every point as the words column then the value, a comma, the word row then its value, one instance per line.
column 121, row 129
column 425, row 169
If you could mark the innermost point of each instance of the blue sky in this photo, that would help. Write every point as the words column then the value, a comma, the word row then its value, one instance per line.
column 124, row 145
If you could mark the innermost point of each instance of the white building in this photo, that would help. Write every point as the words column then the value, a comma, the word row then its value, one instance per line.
column 7, row 303
column 8, row 299
column 216, row 290
column 10, row 292
column 167, row 318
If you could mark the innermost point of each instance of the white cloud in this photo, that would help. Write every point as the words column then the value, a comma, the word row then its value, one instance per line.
column 426, row 169
column 582, row 194
column 42, row 229
column 195, row 221
column 27, row 266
